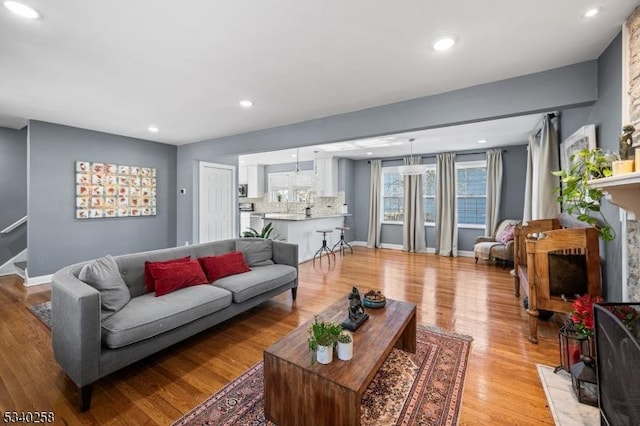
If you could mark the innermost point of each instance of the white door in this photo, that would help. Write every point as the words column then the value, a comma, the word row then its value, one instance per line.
column 218, row 209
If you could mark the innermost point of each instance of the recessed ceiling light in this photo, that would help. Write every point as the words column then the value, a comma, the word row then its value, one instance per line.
column 293, row 155
column 396, row 143
column 483, row 141
column 369, row 153
column 443, row 43
column 591, row 12
column 153, row 129
column 245, row 103
column 22, row 10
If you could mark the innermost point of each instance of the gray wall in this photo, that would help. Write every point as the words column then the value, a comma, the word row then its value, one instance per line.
column 606, row 114
column 567, row 86
column 346, row 182
column 13, row 191
column 56, row 238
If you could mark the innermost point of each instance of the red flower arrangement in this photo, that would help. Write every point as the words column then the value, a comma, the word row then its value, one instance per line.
column 582, row 314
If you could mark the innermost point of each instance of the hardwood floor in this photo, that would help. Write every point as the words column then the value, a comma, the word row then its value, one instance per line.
column 502, row 385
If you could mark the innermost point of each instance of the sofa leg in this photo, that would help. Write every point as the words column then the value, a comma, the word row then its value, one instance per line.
column 85, row 397
column 476, row 260
column 294, row 293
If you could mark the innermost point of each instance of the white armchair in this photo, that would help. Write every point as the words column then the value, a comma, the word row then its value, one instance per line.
column 498, row 246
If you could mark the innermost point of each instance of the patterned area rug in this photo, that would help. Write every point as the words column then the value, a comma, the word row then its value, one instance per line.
column 424, row 388
column 42, row 311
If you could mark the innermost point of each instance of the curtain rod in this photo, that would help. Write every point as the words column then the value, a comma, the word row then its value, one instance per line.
column 538, row 127
column 435, row 155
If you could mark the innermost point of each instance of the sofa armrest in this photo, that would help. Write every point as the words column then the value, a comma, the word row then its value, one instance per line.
column 484, row 239
column 75, row 329
column 285, row 253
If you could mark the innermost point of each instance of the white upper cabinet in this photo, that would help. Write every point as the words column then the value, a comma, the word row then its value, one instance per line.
column 243, row 176
column 253, row 177
column 327, row 177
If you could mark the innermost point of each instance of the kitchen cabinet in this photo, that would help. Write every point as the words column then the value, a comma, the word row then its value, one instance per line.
column 327, row 177
column 253, row 177
column 245, row 221
column 303, row 231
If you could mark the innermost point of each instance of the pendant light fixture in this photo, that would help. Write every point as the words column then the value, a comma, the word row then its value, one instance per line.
column 297, row 170
column 293, row 177
column 412, row 169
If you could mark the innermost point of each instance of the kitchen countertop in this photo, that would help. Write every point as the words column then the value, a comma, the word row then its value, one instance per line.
column 297, row 217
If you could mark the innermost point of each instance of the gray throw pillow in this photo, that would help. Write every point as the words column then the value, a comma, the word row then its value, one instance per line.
column 103, row 275
column 256, row 251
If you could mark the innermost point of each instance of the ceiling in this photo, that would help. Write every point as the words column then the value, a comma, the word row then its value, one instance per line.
column 121, row 66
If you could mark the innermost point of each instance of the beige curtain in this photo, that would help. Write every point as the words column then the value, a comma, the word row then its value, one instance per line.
column 413, row 235
column 540, row 199
column 375, row 200
column 494, row 190
column 532, row 156
column 446, row 222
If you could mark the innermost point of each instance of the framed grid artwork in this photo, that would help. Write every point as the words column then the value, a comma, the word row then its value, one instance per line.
column 114, row 190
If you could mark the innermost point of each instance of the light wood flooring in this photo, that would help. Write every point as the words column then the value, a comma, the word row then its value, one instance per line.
column 502, row 386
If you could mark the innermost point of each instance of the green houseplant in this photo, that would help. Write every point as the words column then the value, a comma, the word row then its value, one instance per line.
column 577, row 197
column 264, row 233
column 322, row 337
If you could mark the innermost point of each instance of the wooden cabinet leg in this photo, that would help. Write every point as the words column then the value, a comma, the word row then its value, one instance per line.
column 533, row 324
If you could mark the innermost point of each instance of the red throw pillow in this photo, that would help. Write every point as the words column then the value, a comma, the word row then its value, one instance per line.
column 223, row 265
column 149, row 282
column 173, row 276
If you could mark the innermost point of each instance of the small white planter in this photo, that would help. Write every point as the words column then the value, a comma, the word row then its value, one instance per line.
column 345, row 351
column 324, row 354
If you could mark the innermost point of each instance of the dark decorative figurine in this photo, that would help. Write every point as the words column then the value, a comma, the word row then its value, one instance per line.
column 356, row 312
column 626, row 141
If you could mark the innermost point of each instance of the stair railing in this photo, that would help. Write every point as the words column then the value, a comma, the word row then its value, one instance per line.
column 14, row 225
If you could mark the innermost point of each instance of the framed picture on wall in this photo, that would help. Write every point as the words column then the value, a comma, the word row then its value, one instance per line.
column 106, row 190
column 583, row 138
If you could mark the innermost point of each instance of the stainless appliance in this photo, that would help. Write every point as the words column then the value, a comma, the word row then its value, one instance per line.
column 245, row 207
column 242, row 190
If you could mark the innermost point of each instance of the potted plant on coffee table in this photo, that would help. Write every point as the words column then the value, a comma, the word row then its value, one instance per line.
column 322, row 338
column 345, row 346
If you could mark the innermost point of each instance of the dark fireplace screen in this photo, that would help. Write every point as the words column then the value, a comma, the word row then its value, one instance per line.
column 618, row 366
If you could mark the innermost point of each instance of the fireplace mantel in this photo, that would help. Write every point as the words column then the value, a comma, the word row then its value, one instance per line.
column 623, row 189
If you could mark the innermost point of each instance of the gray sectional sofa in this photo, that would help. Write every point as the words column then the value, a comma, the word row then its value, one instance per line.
column 88, row 347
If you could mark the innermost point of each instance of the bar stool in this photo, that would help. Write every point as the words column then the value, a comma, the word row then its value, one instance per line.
column 342, row 241
column 324, row 247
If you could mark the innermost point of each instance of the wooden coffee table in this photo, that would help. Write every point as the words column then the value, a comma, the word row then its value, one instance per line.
column 297, row 392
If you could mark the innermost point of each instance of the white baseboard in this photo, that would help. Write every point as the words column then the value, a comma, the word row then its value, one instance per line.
column 461, row 253
column 8, row 267
column 42, row 279
column 464, row 253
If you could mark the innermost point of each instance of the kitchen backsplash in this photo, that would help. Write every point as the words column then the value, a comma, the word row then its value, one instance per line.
column 323, row 206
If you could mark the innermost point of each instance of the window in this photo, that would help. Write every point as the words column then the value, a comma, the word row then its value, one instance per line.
column 392, row 195
column 429, row 194
column 471, row 192
column 291, row 187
